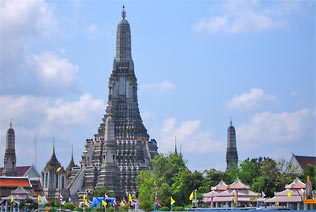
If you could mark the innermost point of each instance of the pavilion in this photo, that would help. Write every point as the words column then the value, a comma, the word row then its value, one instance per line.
column 292, row 197
column 235, row 195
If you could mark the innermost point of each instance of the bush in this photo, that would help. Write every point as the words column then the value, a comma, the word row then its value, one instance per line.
column 123, row 208
column 110, row 209
column 99, row 209
column 69, row 205
column 77, row 209
column 178, row 208
column 164, row 208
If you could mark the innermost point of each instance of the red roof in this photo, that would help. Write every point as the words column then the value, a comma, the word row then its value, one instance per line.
column 305, row 160
column 15, row 182
column 20, row 170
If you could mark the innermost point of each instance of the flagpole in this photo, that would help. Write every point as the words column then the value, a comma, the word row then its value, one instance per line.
column 195, row 200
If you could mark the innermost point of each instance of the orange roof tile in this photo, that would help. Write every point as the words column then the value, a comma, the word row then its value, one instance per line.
column 14, row 182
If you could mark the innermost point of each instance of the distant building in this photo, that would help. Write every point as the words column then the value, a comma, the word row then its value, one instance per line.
column 12, row 176
column 54, row 179
column 300, row 163
column 9, row 168
column 121, row 148
column 231, row 151
column 292, row 197
column 229, row 196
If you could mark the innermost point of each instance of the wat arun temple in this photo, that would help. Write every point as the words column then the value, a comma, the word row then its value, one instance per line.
column 121, row 148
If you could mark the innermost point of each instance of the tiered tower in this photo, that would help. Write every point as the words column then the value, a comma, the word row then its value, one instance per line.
column 231, row 151
column 9, row 156
column 53, row 178
column 121, row 148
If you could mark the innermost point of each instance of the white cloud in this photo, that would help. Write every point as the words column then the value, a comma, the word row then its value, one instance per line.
column 23, row 21
column 93, row 31
column 70, row 122
column 55, row 71
column 250, row 99
column 162, row 87
column 75, row 112
column 189, row 135
column 268, row 129
column 23, row 73
column 249, row 16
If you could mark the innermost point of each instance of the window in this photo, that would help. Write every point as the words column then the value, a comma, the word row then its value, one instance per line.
column 46, row 180
column 63, row 182
column 56, row 180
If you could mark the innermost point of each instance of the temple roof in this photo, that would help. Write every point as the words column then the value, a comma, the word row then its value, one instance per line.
column 305, row 160
column 221, row 186
column 20, row 170
column 15, row 182
column 287, row 196
column 53, row 163
column 71, row 163
column 238, row 185
column 296, row 184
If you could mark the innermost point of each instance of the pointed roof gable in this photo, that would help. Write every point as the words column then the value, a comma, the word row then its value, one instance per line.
column 72, row 162
column 305, row 160
column 296, row 184
column 238, row 185
column 221, row 186
column 20, row 170
column 53, row 163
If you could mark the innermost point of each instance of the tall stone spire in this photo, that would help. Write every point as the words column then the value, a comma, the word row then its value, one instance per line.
column 9, row 156
column 121, row 148
column 231, row 151
column 123, row 40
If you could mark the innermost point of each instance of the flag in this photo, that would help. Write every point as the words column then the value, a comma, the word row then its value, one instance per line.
column 124, row 200
column 123, row 203
column 235, row 197
column 90, row 203
column 12, row 199
column 84, row 196
column 104, row 203
column 130, row 199
column 157, row 201
column 61, row 198
column 191, row 196
column 38, row 198
column 263, row 195
column 106, row 196
column 172, row 201
column 115, row 203
column 136, row 202
column 289, row 194
column 85, row 202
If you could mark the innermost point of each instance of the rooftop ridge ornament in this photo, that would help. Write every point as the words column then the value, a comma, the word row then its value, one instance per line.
column 123, row 12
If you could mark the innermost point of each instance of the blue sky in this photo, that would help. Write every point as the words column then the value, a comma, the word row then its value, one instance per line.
column 197, row 63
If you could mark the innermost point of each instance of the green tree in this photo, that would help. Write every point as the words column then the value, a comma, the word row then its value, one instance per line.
column 168, row 173
column 211, row 178
column 249, row 171
column 69, row 205
column 146, row 191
